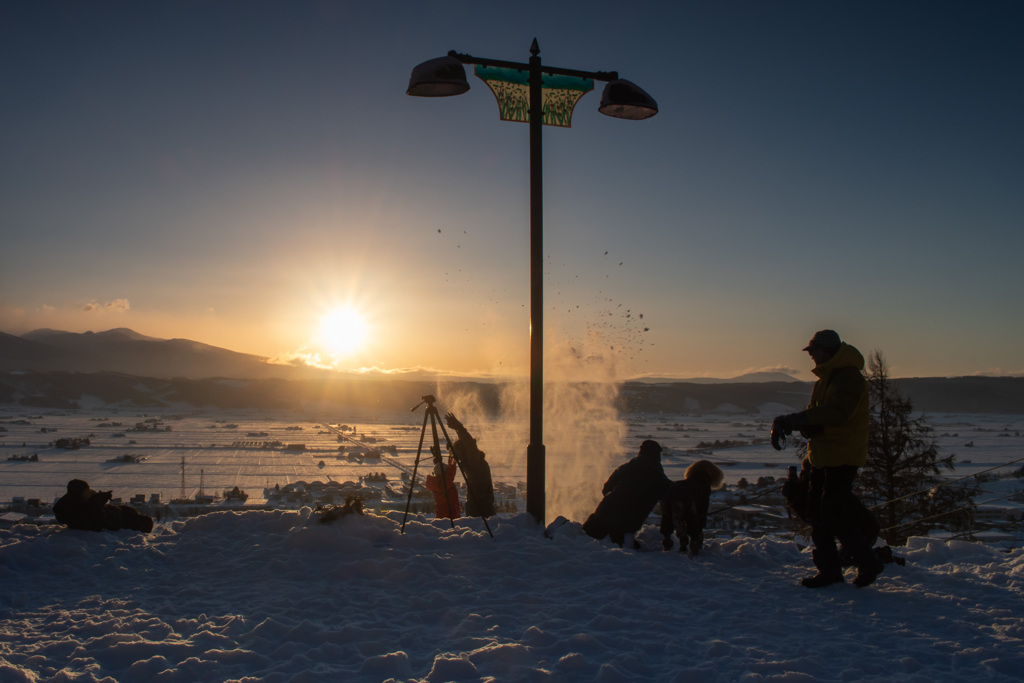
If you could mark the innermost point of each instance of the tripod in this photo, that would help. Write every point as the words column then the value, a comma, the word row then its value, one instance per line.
column 431, row 414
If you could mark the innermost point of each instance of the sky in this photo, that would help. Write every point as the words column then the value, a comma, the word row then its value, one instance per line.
column 237, row 173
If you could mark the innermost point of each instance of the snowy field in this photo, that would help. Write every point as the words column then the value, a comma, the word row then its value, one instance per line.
column 222, row 450
column 278, row 596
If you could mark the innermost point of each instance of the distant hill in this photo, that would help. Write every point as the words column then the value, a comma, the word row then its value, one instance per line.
column 748, row 378
column 71, row 390
column 125, row 351
column 51, row 368
column 74, row 390
column 1000, row 395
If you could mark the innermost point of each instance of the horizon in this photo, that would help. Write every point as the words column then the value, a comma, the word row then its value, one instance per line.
column 422, row 374
column 208, row 172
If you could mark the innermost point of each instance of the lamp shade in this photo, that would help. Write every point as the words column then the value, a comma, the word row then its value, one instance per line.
column 625, row 100
column 439, row 77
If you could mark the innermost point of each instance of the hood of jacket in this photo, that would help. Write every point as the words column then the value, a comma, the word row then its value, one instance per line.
column 840, row 407
column 846, row 357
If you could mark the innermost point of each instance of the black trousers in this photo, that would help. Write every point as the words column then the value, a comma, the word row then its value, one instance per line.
column 834, row 513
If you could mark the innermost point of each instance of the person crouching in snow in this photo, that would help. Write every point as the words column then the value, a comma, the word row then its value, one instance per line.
column 442, row 484
column 85, row 509
column 630, row 494
column 684, row 507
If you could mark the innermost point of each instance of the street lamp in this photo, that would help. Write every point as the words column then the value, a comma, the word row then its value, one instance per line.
column 539, row 95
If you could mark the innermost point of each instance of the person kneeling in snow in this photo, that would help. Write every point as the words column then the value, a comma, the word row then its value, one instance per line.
column 83, row 508
column 684, row 507
column 630, row 494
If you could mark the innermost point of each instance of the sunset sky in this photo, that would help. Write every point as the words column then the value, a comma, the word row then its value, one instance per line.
column 235, row 172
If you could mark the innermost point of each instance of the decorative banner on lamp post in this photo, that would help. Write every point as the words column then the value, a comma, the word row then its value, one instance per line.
column 511, row 87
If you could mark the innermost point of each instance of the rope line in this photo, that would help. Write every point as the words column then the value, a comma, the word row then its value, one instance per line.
column 945, row 483
column 909, row 495
column 950, row 512
column 746, row 502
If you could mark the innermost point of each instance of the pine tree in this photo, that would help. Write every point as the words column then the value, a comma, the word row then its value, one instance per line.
column 901, row 480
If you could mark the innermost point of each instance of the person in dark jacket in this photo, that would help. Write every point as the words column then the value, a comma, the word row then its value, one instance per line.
column 630, row 494
column 479, row 486
column 684, row 507
column 835, row 424
column 83, row 508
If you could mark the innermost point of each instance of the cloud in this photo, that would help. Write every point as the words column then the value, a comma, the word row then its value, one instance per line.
column 998, row 372
column 117, row 306
column 781, row 369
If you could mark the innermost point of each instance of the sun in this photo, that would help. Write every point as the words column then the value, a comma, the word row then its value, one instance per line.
column 343, row 331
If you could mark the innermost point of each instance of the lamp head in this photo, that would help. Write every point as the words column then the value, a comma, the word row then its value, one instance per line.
column 439, row 77
column 625, row 100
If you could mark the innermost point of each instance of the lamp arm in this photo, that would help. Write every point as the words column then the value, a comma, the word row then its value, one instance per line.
column 552, row 70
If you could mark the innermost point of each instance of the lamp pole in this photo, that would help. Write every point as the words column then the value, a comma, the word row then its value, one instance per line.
column 621, row 99
column 536, row 454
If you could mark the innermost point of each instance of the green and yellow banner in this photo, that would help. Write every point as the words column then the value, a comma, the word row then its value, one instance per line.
column 511, row 87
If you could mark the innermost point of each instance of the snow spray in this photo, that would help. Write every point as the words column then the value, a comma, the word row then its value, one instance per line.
column 583, row 434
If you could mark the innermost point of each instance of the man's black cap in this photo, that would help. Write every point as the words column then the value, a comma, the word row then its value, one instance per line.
column 827, row 340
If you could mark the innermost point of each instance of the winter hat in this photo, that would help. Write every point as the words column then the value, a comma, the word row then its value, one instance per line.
column 650, row 448
column 826, row 340
column 77, row 486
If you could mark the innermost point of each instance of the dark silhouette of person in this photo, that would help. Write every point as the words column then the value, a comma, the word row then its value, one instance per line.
column 630, row 494
column 442, row 484
column 684, row 507
column 85, row 509
column 835, row 424
column 479, row 486
column 795, row 491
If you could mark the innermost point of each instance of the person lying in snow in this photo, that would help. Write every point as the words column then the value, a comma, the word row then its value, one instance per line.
column 83, row 508
column 684, row 507
column 479, row 486
column 630, row 494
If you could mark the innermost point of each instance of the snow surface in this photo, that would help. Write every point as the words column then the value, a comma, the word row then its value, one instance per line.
column 279, row 596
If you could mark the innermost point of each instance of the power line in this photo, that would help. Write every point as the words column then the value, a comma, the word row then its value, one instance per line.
column 946, row 483
column 950, row 512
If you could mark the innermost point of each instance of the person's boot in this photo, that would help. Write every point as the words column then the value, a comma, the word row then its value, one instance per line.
column 867, row 574
column 822, row 579
column 826, row 559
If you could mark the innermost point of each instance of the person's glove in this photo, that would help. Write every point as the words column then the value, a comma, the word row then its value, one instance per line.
column 453, row 421
column 780, row 430
column 784, row 425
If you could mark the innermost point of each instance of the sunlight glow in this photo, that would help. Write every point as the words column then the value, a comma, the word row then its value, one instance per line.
column 343, row 331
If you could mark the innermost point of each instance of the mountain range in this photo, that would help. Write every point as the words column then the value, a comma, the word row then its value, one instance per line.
column 53, row 368
column 126, row 351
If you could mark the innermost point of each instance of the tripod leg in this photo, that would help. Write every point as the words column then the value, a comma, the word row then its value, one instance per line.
column 415, row 468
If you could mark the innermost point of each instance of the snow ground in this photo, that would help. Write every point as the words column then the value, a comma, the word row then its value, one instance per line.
column 278, row 596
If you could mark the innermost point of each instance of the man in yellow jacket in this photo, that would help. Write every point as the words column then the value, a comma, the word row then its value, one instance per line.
column 836, row 427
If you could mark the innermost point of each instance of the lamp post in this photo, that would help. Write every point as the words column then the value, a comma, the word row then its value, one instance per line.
column 539, row 95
